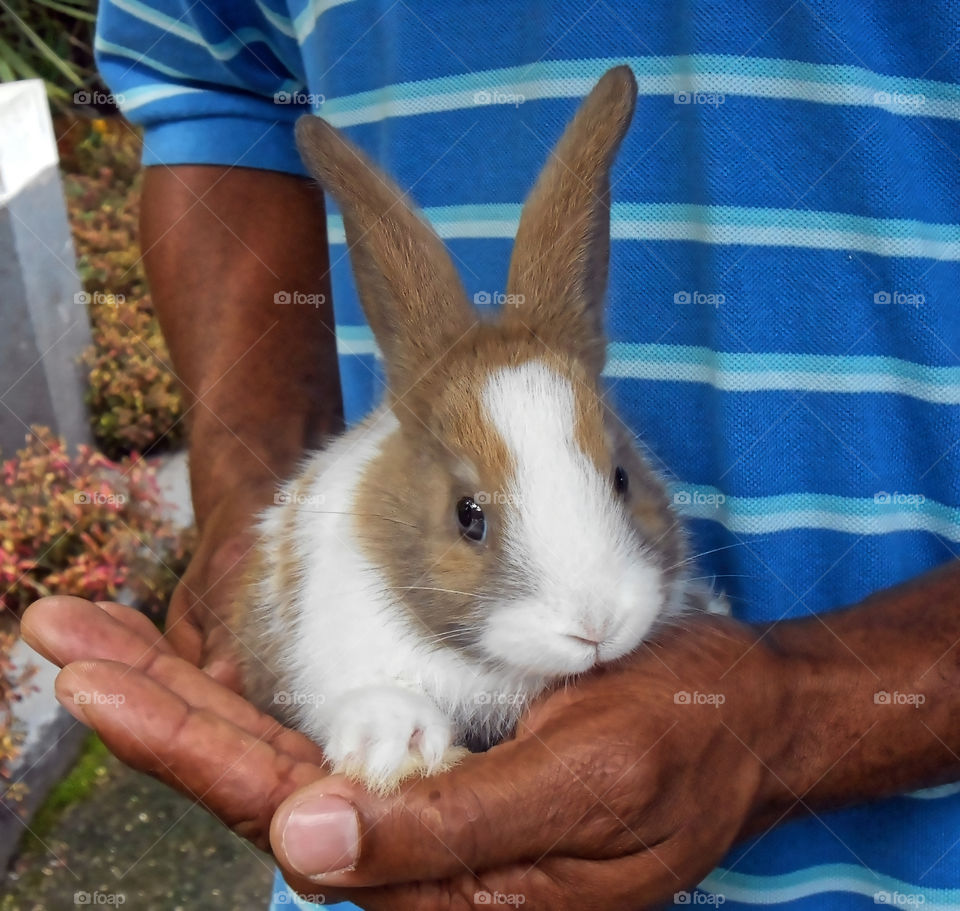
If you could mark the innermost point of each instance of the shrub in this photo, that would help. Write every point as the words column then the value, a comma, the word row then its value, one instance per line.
column 14, row 682
column 106, row 150
column 80, row 525
column 83, row 525
column 133, row 397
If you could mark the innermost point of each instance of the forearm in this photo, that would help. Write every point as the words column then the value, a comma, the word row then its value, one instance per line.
column 259, row 378
column 873, row 701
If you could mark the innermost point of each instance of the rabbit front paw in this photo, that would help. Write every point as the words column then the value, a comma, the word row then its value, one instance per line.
column 381, row 735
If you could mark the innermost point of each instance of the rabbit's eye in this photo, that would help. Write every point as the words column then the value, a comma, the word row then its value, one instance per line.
column 470, row 517
column 620, row 480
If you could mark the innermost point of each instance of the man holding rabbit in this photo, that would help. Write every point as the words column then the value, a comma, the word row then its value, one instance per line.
column 789, row 179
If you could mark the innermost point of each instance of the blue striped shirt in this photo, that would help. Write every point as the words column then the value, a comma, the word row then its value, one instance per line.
column 783, row 315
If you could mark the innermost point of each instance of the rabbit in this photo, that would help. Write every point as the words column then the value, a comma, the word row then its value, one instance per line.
column 491, row 529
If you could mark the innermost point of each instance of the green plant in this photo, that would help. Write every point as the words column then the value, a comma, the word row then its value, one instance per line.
column 83, row 525
column 49, row 40
column 79, row 783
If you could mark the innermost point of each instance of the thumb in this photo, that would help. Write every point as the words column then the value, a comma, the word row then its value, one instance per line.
column 515, row 802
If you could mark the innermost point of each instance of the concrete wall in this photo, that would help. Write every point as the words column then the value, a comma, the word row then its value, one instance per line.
column 43, row 320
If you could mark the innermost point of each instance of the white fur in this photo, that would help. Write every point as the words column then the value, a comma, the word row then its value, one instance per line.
column 567, row 533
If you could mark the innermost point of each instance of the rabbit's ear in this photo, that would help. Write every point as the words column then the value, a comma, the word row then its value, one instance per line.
column 410, row 291
column 560, row 258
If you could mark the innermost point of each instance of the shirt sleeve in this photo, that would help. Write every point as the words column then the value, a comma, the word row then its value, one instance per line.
column 209, row 83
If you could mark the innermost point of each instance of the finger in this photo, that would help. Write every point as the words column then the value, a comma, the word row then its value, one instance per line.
column 238, row 777
column 220, row 655
column 182, row 629
column 76, row 630
column 137, row 623
column 65, row 629
column 645, row 879
column 204, row 693
column 195, row 626
column 517, row 801
column 215, row 603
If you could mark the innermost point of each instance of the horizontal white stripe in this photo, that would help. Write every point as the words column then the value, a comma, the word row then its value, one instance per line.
column 944, row 790
column 698, row 78
column 773, row 379
column 907, row 520
column 817, row 880
column 859, row 516
column 145, row 94
column 719, row 225
column 787, row 236
column 753, row 372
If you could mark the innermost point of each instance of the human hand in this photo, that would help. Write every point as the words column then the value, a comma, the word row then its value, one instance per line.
column 162, row 715
column 615, row 793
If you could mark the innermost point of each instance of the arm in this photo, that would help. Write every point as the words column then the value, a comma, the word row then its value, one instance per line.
column 260, row 379
column 606, row 782
column 875, row 701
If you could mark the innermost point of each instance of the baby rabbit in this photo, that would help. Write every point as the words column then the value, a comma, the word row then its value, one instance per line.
column 491, row 529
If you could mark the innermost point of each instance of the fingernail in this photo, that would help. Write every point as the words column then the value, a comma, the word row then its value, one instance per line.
column 322, row 836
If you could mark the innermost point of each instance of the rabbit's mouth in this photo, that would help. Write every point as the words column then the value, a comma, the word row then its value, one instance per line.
column 534, row 640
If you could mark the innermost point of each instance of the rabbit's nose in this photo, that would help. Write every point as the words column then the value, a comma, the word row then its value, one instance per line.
column 592, row 632
column 593, row 643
